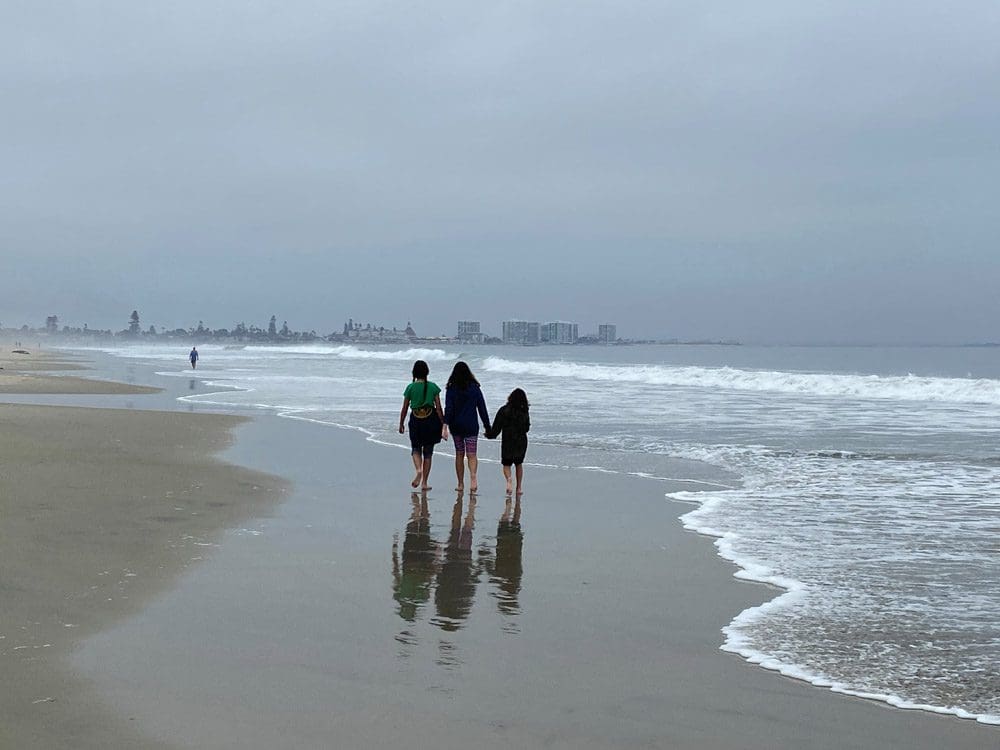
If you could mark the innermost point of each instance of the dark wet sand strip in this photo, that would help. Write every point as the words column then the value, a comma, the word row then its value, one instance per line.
column 28, row 374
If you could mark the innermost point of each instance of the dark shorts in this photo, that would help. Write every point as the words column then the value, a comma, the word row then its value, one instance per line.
column 424, row 434
column 515, row 460
column 424, row 451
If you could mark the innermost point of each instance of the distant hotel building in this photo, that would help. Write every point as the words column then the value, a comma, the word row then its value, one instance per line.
column 607, row 333
column 468, row 332
column 559, row 333
column 520, row 332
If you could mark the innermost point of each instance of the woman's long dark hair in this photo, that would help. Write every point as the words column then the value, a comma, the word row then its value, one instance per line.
column 518, row 399
column 420, row 372
column 461, row 377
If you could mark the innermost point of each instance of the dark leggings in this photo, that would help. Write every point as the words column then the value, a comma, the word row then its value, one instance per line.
column 425, row 451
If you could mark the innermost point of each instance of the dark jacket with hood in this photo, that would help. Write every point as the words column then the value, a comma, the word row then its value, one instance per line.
column 513, row 424
column 463, row 409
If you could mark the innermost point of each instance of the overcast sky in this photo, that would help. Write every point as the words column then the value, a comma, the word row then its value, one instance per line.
column 772, row 171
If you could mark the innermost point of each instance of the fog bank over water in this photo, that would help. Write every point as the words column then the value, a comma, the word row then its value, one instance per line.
column 790, row 172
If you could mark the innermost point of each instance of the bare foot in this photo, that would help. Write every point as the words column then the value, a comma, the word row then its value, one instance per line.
column 425, row 488
column 474, row 487
column 509, row 487
column 416, row 480
column 520, row 492
column 460, row 488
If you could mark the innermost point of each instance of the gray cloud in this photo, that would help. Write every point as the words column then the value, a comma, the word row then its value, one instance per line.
column 785, row 171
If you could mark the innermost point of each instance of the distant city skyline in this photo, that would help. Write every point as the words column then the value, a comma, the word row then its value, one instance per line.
column 275, row 319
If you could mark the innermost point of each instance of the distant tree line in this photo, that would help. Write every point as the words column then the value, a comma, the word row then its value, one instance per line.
column 240, row 332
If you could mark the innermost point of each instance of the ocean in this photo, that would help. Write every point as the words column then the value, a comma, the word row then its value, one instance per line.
column 864, row 483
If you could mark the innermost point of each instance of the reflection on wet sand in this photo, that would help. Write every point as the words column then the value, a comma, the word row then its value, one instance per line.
column 413, row 570
column 422, row 566
column 506, row 570
column 458, row 574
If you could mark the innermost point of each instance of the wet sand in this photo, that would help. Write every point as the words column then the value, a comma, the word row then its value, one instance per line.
column 102, row 510
column 361, row 616
column 28, row 374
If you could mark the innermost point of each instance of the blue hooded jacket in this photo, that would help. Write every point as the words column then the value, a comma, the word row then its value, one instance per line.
column 460, row 410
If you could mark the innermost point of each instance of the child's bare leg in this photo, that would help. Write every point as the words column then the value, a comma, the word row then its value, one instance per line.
column 506, row 475
column 519, row 472
column 426, row 473
column 460, row 470
column 473, row 467
column 418, row 467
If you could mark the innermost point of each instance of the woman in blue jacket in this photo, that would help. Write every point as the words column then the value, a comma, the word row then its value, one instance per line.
column 464, row 406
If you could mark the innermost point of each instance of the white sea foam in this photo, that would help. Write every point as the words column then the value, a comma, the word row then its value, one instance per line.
column 713, row 517
column 900, row 388
column 355, row 352
column 251, row 351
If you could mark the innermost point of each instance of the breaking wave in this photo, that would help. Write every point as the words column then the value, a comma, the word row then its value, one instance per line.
column 832, row 385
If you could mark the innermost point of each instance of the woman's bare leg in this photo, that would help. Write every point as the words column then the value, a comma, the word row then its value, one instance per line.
column 519, row 471
column 473, row 467
column 506, row 475
column 460, row 470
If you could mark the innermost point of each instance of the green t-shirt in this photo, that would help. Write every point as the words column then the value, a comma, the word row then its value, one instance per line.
column 415, row 392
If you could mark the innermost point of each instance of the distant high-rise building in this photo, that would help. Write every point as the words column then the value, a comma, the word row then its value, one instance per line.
column 468, row 332
column 607, row 333
column 559, row 333
column 520, row 332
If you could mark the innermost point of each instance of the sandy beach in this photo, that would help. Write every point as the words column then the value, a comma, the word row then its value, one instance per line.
column 102, row 509
column 157, row 597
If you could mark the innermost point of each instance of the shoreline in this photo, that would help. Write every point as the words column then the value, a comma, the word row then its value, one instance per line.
column 788, row 589
column 719, row 702
column 29, row 375
column 689, row 711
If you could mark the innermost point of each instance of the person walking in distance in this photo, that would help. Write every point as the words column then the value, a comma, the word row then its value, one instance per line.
column 193, row 356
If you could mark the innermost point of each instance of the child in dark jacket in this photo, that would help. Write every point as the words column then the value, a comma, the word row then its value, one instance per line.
column 513, row 423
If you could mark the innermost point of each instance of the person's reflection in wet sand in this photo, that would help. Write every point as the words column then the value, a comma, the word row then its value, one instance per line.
column 507, row 569
column 458, row 574
column 413, row 569
column 191, row 383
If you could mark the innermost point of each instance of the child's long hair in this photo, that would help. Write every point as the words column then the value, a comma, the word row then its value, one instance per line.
column 461, row 376
column 420, row 372
column 518, row 399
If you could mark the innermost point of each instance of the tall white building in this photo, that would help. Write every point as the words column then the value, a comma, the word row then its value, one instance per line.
column 607, row 333
column 468, row 332
column 520, row 332
column 560, row 333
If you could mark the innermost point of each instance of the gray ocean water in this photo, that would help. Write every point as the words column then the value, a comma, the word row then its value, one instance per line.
column 863, row 481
